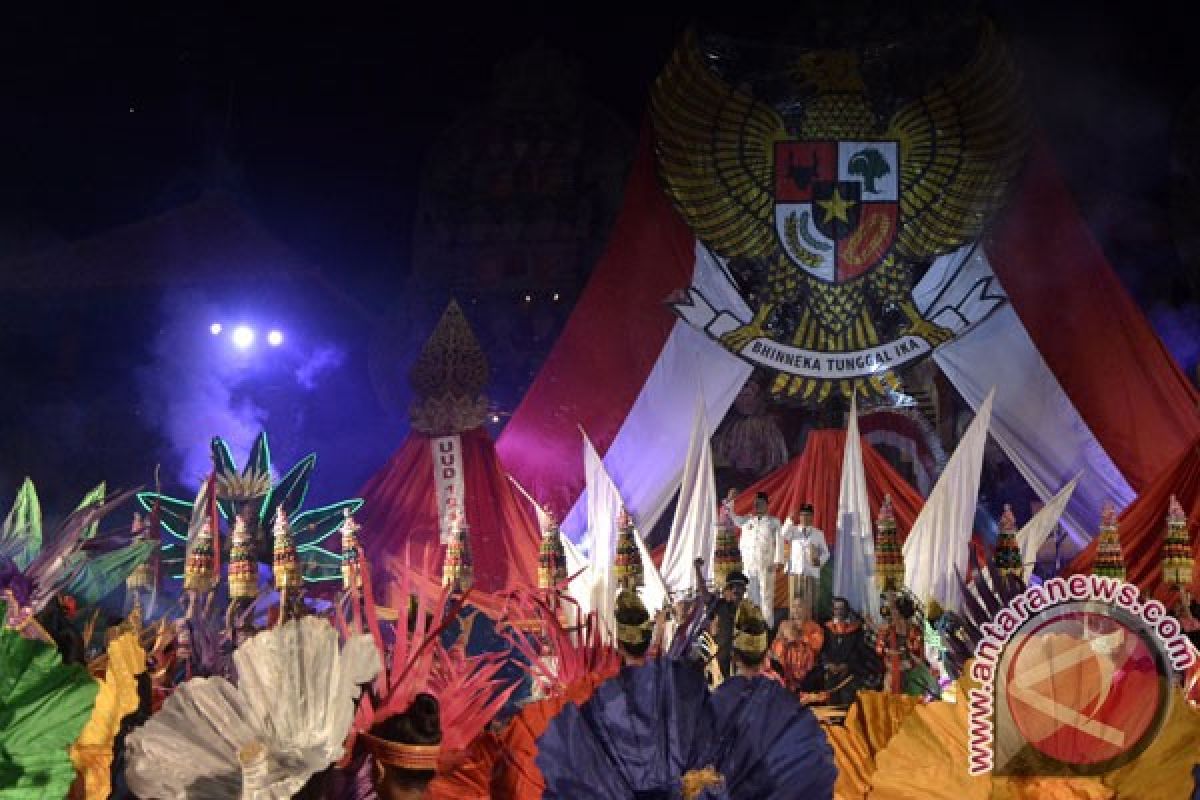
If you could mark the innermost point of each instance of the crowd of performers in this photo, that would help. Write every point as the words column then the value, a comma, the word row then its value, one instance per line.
column 218, row 695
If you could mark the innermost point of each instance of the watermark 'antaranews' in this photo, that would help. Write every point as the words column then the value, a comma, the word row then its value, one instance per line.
column 1075, row 678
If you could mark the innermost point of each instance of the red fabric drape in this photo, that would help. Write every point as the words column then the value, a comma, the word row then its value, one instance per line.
column 614, row 336
column 400, row 522
column 815, row 477
column 1119, row 376
column 1143, row 525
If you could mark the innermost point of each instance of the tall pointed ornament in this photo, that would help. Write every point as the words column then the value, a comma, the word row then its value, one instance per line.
column 243, row 569
column 552, row 558
column 351, row 563
column 143, row 579
column 889, row 557
column 286, row 566
column 1177, row 552
column 449, row 378
column 458, row 569
column 627, row 571
column 1110, row 559
column 727, row 556
column 1008, row 551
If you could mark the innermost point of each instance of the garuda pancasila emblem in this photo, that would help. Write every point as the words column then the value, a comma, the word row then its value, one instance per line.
column 838, row 208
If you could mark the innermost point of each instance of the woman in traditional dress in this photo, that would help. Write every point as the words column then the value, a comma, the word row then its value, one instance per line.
column 797, row 650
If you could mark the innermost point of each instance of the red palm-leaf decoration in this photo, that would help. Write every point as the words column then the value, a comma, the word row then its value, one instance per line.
column 466, row 688
column 575, row 654
column 468, row 693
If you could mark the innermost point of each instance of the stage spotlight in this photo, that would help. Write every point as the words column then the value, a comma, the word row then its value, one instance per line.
column 243, row 337
column 495, row 418
column 275, row 338
column 215, row 329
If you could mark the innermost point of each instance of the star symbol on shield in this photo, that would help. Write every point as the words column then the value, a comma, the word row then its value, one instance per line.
column 836, row 207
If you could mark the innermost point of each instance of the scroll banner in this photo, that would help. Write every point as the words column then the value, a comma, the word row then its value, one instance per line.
column 447, row 454
column 958, row 292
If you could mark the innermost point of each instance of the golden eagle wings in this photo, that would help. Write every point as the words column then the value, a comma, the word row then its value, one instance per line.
column 958, row 148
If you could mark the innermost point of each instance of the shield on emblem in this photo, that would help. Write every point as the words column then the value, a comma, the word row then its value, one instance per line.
column 837, row 204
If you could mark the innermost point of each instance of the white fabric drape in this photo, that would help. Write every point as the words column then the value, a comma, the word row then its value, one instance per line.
column 646, row 457
column 854, row 551
column 935, row 553
column 603, row 507
column 1031, row 537
column 692, row 534
column 1033, row 419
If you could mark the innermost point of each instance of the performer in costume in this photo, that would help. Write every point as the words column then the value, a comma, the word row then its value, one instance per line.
column 254, row 739
column 797, row 649
column 634, row 627
column 750, row 644
column 808, row 553
column 722, row 612
column 406, row 748
column 655, row 731
column 762, row 552
column 900, row 645
column 848, row 660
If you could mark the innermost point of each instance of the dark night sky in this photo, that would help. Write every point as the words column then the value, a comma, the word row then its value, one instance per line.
column 318, row 121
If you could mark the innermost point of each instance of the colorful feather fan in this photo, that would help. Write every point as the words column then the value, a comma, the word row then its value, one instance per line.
column 44, row 705
column 285, row 721
column 78, row 558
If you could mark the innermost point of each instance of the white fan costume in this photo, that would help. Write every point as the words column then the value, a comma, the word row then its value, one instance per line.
column 285, row 721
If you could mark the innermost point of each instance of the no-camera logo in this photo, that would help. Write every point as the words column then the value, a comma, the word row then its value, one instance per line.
column 1075, row 679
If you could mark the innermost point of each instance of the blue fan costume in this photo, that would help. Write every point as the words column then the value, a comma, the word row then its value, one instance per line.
column 643, row 730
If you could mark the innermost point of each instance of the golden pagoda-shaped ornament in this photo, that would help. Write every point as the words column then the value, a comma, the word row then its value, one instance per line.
column 1177, row 551
column 1008, row 551
column 552, row 558
column 627, row 570
column 243, row 568
column 351, row 564
column 458, row 569
column 284, row 560
column 449, row 379
column 1110, row 559
column 889, row 558
column 727, row 556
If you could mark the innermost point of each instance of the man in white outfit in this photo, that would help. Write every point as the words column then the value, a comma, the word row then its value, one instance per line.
column 762, row 553
column 809, row 552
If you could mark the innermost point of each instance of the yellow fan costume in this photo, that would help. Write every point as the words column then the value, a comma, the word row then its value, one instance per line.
column 92, row 752
column 893, row 747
